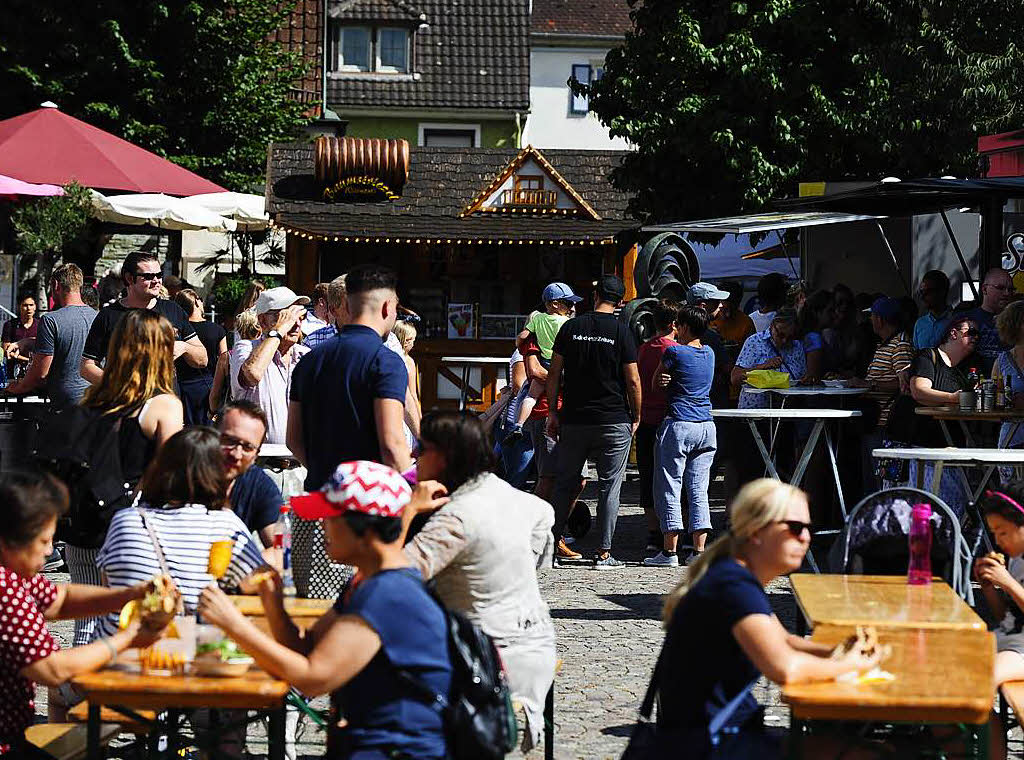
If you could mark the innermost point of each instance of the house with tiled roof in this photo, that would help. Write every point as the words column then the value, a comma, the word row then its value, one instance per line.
column 570, row 39
column 434, row 72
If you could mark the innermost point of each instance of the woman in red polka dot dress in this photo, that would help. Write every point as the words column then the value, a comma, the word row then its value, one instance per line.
column 28, row 653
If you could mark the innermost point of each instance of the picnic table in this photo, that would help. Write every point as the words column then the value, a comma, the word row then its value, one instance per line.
column 467, row 363
column 122, row 688
column 886, row 600
column 304, row 612
column 943, row 676
column 954, row 457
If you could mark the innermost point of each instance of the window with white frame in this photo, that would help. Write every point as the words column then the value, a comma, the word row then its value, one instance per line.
column 449, row 135
column 584, row 73
column 371, row 49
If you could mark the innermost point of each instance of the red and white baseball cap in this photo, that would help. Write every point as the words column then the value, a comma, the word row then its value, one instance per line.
column 366, row 487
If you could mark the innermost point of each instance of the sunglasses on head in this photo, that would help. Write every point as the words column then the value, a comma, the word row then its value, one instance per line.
column 149, row 276
column 796, row 527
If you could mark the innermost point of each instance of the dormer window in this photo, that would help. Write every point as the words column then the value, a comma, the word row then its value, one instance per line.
column 382, row 49
column 528, row 190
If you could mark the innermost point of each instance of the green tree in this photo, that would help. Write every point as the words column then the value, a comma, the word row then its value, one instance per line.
column 730, row 104
column 201, row 82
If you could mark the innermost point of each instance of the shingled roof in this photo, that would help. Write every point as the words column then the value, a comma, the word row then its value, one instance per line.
column 582, row 18
column 471, row 54
column 442, row 181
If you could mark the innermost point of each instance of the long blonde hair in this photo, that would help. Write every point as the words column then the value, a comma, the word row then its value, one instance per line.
column 139, row 366
column 759, row 503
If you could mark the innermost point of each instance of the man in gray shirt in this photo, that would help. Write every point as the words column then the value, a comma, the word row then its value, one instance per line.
column 60, row 342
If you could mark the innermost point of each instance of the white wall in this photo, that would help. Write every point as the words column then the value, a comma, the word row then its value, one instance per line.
column 550, row 124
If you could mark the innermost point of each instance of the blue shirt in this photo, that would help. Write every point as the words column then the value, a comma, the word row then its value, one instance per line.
column 256, row 499
column 336, row 384
column 692, row 371
column 381, row 709
column 693, row 689
column 758, row 349
column 928, row 329
column 1008, row 368
column 322, row 335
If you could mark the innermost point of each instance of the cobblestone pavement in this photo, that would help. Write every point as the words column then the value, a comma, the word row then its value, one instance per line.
column 609, row 633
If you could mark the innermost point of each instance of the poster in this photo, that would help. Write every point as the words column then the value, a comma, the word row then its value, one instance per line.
column 460, row 321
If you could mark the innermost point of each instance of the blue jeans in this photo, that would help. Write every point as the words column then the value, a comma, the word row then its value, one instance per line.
column 683, row 455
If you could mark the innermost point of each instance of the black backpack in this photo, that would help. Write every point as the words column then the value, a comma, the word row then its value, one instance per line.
column 81, row 447
column 479, row 720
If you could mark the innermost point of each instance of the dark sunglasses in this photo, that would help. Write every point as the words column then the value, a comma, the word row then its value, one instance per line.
column 972, row 333
column 796, row 527
column 149, row 276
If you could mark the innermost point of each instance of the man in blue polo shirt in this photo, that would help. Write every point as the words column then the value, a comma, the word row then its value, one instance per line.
column 348, row 394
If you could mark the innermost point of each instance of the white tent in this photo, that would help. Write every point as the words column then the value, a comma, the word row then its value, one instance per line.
column 158, row 210
column 246, row 209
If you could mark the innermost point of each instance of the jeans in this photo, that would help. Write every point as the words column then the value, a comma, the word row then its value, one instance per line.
column 195, row 399
column 608, row 447
column 684, row 453
column 516, row 458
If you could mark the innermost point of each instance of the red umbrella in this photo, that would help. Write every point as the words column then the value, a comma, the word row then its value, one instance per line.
column 48, row 146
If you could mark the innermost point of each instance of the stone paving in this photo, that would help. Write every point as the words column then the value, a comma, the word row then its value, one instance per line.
column 609, row 632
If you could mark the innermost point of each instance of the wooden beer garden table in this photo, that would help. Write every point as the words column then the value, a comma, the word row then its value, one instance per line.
column 125, row 690
column 882, row 600
column 304, row 612
column 943, row 676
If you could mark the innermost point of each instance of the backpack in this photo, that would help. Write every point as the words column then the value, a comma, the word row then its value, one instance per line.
column 81, row 447
column 479, row 720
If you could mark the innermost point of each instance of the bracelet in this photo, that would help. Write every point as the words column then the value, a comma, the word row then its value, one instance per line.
column 110, row 646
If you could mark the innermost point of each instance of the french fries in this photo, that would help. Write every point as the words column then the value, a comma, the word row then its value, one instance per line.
column 154, row 658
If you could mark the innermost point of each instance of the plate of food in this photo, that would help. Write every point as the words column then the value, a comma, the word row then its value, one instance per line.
column 221, row 658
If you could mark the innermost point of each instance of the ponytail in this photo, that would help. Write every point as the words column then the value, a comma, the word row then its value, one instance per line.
column 724, row 546
column 759, row 503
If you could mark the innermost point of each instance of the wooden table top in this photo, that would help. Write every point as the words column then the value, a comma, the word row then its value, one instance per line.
column 942, row 676
column 294, row 606
column 124, row 685
column 955, row 413
column 850, row 600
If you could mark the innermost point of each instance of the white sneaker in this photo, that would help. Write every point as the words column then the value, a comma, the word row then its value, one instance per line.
column 662, row 560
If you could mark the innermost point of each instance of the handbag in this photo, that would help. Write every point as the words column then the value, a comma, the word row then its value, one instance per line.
column 646, row 743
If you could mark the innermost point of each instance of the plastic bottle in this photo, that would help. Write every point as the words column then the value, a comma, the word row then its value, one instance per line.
column 919, row 572
column 283, row 541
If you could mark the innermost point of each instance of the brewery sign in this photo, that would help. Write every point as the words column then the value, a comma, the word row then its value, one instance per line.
column 359, row 189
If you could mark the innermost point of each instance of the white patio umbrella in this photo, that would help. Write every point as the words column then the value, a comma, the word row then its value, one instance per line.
column 157, row 210
column 245, row 208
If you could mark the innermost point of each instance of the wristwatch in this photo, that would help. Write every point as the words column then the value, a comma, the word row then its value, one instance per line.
column 274, row 334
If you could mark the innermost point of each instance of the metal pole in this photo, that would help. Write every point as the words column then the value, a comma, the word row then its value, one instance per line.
column 959, row 255
column 895, row 263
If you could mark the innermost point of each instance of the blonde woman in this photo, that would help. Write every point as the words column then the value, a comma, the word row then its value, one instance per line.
column 406, row 334
column 721, row 633
column 196, row 384
column 247, row 328
column 137, row 389
column 245, row 303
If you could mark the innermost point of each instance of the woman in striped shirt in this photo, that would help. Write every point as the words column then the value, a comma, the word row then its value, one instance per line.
column 184, row 504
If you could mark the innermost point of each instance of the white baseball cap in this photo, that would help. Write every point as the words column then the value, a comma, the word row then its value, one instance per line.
column 274, row 299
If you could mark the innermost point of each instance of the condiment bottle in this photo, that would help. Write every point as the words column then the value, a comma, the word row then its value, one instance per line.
column 919, row 571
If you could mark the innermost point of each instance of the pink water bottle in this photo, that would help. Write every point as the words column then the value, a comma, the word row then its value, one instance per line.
column 919, row 573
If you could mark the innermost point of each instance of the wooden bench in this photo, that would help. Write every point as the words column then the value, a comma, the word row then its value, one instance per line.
column 66, row 741
column 80, row 714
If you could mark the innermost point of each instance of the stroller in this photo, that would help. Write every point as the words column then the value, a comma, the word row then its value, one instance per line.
column 875, row 539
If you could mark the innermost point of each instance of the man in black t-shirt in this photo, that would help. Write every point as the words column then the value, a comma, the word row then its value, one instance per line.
column 141, row 275
column 600, row 408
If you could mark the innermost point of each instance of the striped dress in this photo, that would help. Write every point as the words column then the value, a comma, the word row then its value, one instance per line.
column 185, row 534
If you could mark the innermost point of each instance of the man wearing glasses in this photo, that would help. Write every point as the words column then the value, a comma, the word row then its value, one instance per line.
column 142, row 278
column 996, row 291
column 254, row 496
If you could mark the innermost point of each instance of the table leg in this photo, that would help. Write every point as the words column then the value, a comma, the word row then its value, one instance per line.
column 835, row 471
column 549, row 724
column 92, row 733
column 465, row 387
column 275, row 734
column 937, row 477
column 796, row 739
column 767, row 457
column 805, row 456
column 949, row 442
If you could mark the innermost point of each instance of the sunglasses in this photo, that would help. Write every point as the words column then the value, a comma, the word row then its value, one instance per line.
column 972, row 333
column 149, row 276
column 796, row 527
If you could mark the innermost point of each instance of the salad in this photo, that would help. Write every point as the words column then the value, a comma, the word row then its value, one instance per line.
column 224, row 650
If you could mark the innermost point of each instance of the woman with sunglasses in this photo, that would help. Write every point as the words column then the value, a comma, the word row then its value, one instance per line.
column 937, row 377
column 721, row 633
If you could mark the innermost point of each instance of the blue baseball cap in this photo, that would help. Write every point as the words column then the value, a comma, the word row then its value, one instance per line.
column 705, row 291
column 559, row 291
column 886, row 308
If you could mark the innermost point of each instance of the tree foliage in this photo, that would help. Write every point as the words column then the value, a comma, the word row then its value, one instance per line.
column 730, row 104
column 200, row 82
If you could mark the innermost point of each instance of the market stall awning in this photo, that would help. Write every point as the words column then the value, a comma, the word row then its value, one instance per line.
column 910, row 197
column 47, row 145
column 767, row 222
column 15, row 188
column 247, row 209
column 156, row 210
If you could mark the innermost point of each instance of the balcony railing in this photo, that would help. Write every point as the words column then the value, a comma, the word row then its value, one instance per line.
column 531, row 198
